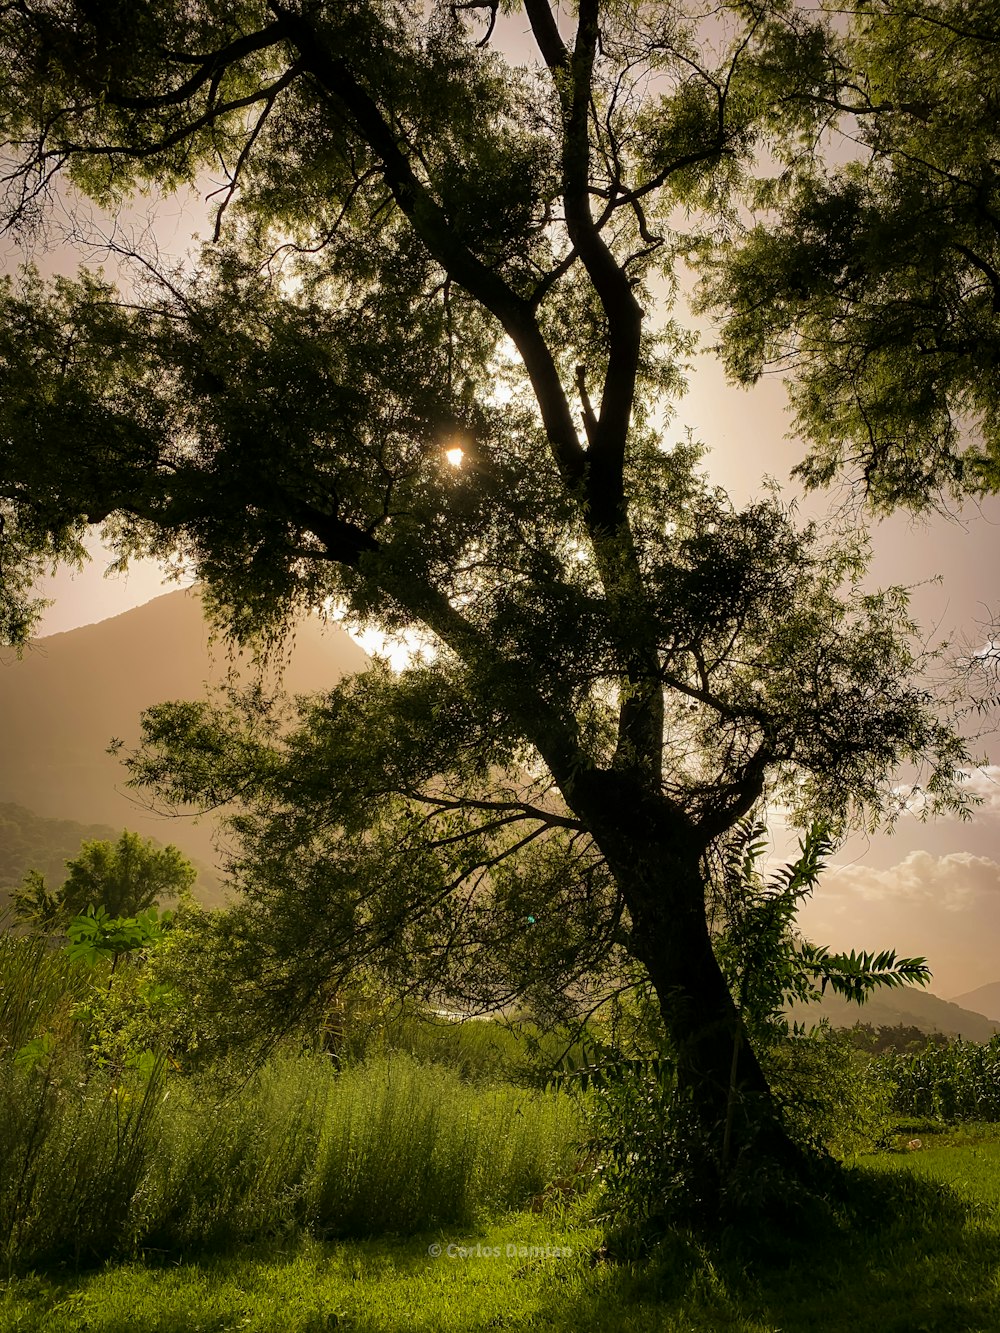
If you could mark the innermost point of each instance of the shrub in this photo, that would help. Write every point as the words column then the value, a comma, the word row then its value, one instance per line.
column 831, row 1095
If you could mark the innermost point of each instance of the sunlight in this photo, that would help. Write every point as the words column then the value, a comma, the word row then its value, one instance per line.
column 399, row 650
column 455, row 456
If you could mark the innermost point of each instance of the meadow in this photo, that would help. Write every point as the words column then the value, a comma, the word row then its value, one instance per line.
column 432, row 1177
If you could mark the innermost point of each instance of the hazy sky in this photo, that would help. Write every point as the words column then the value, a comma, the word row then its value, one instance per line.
column 932, row 889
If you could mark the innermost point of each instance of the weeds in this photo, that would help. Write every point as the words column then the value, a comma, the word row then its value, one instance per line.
column 107, row 1160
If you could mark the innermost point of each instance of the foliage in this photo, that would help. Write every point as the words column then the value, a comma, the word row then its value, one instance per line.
column 120, row 879
column 126, row 878
column 75, row 1141
column 832, row 1099
column 953, row 1081
column 39, row 993
column 898, row 1039
column 105, row 1154
column 94, row 935
column 875, row 282
column 768, row 965
column 830, row 1094
column 33, row 901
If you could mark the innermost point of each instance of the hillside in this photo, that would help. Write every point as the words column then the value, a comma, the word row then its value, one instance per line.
column 70, row 694
column 985, row 999
column 31, row 842
column 909, row 1005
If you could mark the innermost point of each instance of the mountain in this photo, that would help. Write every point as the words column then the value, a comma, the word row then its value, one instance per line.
column 984, row 998
column 31, row 842
column 909, row 1005
column 70, row 694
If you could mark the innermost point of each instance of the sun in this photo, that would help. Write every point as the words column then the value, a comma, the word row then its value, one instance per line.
column 455, row 456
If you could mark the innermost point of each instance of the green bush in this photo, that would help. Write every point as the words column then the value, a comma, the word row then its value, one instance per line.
column 831, row 1095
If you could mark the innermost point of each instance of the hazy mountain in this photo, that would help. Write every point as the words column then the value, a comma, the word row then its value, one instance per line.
column 908, row 1005
column 70, row 694
column 984, row 998
column 31, row 842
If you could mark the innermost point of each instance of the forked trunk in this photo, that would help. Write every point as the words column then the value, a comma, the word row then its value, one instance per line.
column 719, row 1078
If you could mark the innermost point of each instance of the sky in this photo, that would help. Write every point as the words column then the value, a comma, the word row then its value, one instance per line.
column 931, row 889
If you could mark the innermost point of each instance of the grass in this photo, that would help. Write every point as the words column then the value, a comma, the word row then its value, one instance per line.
column 95, row 1170
column 921, row 1257
column 203, row 1207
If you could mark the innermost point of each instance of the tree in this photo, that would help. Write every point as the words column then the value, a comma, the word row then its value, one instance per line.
column 121, row 879
column 875, row 283
column 33, row 901
column 415, row 376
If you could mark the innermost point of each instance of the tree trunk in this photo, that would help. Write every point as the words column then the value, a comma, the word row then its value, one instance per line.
column 657, row 862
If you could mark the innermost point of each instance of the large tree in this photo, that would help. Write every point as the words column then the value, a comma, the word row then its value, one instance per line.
column 124, row 878
column 417, row 375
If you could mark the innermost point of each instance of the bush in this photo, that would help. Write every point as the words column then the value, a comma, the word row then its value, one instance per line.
column 832, row 1096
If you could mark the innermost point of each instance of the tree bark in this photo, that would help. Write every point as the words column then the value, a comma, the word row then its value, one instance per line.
column 656, row 858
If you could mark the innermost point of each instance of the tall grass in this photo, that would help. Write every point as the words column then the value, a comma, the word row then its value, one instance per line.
column 953, row 1082
column 107, row 1161
column 75, row 1140
column 392, row 1145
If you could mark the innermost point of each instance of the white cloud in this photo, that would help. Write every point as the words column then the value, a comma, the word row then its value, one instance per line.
column 945, row 908
column 955, row 882
column 984, row 782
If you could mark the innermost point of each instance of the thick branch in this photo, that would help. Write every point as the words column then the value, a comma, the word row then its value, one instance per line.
column 211, row 66
column 546, row 33
column 185, row 131
column 518, row 809
column 606, row 456
column 430, row 223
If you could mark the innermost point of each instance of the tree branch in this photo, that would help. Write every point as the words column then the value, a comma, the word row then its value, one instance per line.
column 519, row 809
column 430, row 223
column 210, row 67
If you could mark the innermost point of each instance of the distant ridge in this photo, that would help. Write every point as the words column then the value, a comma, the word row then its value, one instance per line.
column 71, row 693
column 909, row 1005
column 984, row 998
column 32, row 842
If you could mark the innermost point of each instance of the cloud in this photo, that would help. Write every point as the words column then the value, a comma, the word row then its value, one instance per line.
column 983, row 782
column 955, row 882
column 945, row 908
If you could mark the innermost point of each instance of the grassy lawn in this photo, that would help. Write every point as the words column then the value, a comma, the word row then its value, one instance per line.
column 925, row 1260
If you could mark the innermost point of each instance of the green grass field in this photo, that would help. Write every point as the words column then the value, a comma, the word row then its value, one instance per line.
column 394, row 1191
column 926, row 1260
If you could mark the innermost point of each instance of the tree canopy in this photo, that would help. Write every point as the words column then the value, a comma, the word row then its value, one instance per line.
column 417, row 376
column 123, row 878
column 875, row 283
